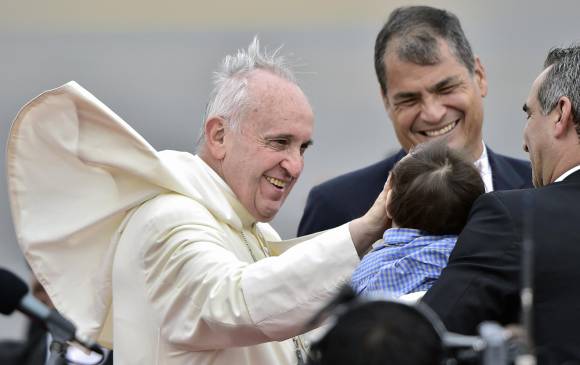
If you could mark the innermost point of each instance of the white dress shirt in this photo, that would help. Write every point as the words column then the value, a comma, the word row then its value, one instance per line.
column 484, row 168
column 567, row 173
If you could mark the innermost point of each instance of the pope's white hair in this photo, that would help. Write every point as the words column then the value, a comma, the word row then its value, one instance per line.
column 229, row 96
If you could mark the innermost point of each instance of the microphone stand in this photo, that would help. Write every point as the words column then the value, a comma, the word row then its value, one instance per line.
column 57, row 355
column 62, row 332
column 527, row 292
column 494, row 336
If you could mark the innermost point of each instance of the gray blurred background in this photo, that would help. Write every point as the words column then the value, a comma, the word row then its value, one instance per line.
column 151, row 62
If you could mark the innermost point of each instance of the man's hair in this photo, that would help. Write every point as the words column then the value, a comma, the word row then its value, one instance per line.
column 381, row 332
column 563, row 79
column 433, row 189
column 414, row 31
column 229, row 97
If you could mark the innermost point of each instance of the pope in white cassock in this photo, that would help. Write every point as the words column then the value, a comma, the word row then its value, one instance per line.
column 167, row 256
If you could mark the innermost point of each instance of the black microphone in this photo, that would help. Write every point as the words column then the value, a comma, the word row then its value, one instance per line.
column 15, row 296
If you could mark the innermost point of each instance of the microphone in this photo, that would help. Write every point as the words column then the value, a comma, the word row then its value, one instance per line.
column 15, row 296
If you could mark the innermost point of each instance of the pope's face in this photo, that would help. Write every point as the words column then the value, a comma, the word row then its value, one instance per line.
column 425, row 102
column 265, row 157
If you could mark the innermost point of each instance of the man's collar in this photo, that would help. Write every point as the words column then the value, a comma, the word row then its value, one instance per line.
column 214, row 185
column 567, row 173
column 483, row 156
column 484, row 167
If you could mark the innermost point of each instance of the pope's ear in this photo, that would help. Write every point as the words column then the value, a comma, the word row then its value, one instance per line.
column 215, row 131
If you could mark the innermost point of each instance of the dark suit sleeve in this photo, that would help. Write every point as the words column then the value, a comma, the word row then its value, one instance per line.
column 481, row 280
column 321, row 213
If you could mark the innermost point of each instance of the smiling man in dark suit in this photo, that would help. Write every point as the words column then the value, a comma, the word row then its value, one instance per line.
column 432, row 86
column 483, row 278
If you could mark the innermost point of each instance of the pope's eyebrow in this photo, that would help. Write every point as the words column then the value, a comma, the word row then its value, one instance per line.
column 290, row 137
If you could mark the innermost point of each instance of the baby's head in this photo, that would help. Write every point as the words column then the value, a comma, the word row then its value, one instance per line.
column 433, row 189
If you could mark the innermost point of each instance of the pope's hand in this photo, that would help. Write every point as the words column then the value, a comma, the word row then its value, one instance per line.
column 367, row 229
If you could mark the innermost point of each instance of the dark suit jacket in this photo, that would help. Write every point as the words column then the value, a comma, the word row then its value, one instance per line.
column 349, row 196
column 483, row 277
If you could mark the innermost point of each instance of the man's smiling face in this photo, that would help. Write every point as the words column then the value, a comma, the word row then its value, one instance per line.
column 432, row 101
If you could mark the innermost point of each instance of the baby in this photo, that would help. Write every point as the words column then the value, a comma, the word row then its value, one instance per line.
column 430, row 193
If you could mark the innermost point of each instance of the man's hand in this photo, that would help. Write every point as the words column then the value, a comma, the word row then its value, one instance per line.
column 370, row 227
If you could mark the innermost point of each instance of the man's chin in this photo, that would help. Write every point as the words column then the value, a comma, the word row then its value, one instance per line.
column 471, row 150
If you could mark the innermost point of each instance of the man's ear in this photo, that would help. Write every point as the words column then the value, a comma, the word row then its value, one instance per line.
column 383, row 97
column 480, row 76
column 215, row 130
column 564, row 117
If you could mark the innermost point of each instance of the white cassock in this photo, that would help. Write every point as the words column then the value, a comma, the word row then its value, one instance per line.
column 150, row 252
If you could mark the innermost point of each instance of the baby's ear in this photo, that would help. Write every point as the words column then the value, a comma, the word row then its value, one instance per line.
column 388, row 203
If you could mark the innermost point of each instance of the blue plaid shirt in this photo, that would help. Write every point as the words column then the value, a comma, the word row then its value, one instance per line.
column 407, row 261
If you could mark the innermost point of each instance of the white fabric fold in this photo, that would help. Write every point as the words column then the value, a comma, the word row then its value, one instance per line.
column 74, row 169
column 101, row 216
